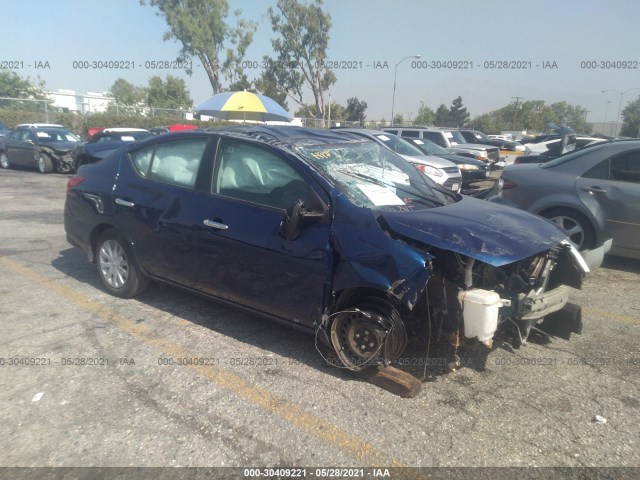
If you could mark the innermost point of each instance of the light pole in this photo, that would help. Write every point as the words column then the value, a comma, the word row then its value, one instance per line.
column 620, row 104
column 606, row 108
column 395, row 76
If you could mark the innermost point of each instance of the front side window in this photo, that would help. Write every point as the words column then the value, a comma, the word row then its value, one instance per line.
column 174, row 162
column 254, row 174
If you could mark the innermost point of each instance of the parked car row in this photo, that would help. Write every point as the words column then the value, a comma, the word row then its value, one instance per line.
column 452, row 141
column 327, row 231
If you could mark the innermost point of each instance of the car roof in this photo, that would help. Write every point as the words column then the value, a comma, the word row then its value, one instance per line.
column 39, row 125
column 285, row 134
column 123, row 129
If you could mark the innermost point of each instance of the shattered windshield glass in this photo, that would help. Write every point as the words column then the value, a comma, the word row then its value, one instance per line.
column 373, row 177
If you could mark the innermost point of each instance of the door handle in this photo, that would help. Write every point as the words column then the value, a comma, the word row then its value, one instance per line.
column 594, row 189
column 124, row 203
column 218, row 225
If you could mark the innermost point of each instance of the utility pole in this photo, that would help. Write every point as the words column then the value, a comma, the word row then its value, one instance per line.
column 515, row 112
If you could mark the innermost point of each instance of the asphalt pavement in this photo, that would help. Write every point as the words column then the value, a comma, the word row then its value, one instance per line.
column 174, row 380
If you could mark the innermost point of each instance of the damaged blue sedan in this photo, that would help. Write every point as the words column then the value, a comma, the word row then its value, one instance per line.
column 327, row 232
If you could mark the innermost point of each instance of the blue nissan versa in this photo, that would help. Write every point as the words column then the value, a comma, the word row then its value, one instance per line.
column 325, row 231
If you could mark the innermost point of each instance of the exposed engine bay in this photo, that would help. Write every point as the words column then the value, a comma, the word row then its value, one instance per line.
column 467, row 299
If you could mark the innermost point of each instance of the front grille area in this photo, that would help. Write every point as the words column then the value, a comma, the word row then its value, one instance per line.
column 493, row 154
column 451, row 169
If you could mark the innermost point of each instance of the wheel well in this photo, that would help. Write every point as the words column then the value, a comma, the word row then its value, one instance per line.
column 95, row 235
column 351, row 296
column 590, row 235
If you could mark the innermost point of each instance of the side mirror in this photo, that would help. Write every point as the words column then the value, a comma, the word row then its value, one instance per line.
column 290, row 223
column 293, row 220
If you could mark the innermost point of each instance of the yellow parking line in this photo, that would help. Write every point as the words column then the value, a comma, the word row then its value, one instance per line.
column 263, row 398
column 610, row 315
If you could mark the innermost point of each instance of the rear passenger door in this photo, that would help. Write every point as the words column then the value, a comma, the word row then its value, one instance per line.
column 154, row 199
column 615, row 185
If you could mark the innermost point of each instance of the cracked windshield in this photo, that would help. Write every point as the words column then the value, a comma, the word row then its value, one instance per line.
column 373, row 177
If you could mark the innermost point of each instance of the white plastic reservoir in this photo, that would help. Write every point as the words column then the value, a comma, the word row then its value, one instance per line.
column 480, row 313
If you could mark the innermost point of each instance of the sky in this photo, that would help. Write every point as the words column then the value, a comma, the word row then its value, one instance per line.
column 372, row 36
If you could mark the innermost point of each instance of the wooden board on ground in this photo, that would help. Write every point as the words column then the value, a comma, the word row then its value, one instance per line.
column 393, row 380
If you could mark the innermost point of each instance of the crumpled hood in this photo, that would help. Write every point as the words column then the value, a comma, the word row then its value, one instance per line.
column 494, row 234
column 60, row 146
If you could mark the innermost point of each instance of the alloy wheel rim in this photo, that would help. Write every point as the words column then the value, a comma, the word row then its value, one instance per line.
column 574, row 230
column 41, row 165
column 114, row 265
column 4, row 161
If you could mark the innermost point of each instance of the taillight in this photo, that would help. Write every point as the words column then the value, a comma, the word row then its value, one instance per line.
column 75, row 181
column 506, row 184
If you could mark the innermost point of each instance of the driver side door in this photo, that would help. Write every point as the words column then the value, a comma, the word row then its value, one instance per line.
column 239, row 254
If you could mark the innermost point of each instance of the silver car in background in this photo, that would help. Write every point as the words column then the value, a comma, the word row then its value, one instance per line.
column 441, row 171
column 593, row 194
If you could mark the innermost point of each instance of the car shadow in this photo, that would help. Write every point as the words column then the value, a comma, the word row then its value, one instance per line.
column 629, row 265
column 423, row 359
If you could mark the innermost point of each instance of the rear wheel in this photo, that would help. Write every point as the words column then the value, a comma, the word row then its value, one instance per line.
column 370, row 333
column 45, row 164
column 117, row 268
column 576, row 225
column 4, row 161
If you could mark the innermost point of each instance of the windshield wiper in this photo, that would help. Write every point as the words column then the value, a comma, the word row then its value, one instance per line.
column 433, row 200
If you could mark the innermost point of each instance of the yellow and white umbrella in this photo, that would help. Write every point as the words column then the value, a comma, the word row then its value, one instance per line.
column 243, row 106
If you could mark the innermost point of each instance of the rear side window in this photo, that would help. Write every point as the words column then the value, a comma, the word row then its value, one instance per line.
column 410, row 133
column 174, row 162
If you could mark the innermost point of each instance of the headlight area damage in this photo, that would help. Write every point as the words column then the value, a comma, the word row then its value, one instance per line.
column 456, row 272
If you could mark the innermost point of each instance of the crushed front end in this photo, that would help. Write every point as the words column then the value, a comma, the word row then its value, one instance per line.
column 471, row 298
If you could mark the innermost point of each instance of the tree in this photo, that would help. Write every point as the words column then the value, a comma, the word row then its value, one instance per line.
column 301, row 49
column 398, row 119
column 458, row 115
column 425, row 115
column 631, row 119
column 172, row 93
column 127, row 98
column 442, row 116
column 267, row 85
column 13, row 85
column 355, row 111
column 199, row 25
column 573, row 115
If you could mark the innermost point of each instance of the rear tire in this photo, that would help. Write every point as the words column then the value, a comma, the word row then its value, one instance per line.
column 45, row 164
column 576, row 225
column 4, row 161
column 117, row 268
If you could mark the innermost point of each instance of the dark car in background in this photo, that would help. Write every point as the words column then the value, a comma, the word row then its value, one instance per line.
column 592, row 193
column 47, row 148
column 106, row 141
column 476, row 136
column 472, row 170
column 4, row 129
column 327, row 232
